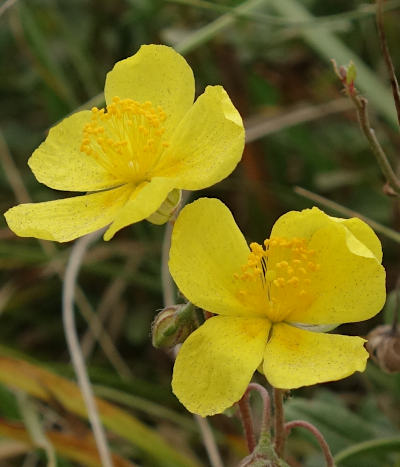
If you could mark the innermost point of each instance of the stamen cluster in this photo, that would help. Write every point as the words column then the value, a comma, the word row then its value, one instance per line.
column 284, row 269
column 126, row 138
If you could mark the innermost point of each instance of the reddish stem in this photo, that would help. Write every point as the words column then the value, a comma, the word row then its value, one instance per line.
column 247, row 420
column 266, row 421
column 279, row 425
column 245, row 412
column 318, row 435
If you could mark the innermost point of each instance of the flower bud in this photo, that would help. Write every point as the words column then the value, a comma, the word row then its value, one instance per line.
column 263, row 455
column 173, row 325
column 167, row 209
column 384, row 347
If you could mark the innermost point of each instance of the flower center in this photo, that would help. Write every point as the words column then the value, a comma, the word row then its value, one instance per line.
column 126, row 138
column 284, row 268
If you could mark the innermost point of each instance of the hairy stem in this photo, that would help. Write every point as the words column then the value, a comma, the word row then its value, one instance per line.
column 318, row 435
column 266, row 421
column 247, row 421
column 71, row 273
column 279, row 426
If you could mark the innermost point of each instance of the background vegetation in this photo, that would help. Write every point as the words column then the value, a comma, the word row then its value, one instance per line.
column 273, row 59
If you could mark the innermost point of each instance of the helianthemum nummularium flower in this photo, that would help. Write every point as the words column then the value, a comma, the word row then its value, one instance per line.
column 150, row 140
column 314, row 272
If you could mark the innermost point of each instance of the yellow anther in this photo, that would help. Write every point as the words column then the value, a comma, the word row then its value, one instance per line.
column 297, row 261
column 303, row 271
column 293, row 280
column 119, row 136
column 302, row 293
column 256, row 247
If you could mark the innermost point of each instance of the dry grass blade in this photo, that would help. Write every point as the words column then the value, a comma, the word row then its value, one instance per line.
column 49, row 387
column 67, row 445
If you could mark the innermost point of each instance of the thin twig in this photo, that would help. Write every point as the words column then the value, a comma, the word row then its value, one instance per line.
column 347, row 77
column 361, row 106
column 78, row 251
column 258, row 126
column 343, row 211
column 6, row 5
column 279, row 426
column 318, row 435
column 108, row 301
column 387, row 57
column 247, row 422
column 96, row 329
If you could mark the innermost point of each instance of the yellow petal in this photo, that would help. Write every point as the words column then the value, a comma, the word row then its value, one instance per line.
column 158, row 74
column 67, row 219
column 207, row 249
column 301, row 224
column 208, row 143
column 350, row 283
column 364, row 234
column 305, row 223
column 294, row 357
column 143, row 202
column 215, row 364
column 59, row 163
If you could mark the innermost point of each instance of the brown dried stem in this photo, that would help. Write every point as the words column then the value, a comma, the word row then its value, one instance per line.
column 387, row 57
column 361, row 106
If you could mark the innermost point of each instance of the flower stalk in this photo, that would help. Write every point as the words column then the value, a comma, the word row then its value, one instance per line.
column 247, row 421
column 317, row 434
column 279, row 422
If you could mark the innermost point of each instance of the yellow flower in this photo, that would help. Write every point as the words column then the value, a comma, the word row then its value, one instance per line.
column 150, row 140
column 272, row 301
